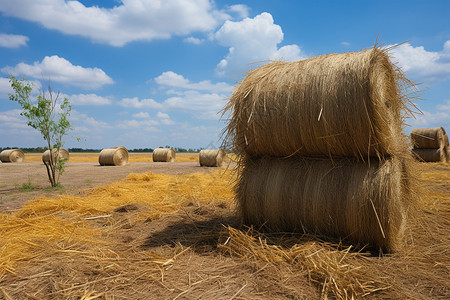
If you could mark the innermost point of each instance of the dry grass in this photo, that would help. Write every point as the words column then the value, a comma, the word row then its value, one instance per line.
column 104, row 246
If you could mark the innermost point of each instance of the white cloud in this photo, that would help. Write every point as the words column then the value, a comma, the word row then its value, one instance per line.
column 345, row 44
column 142, row 115
column 240, row 9
column 420, row 64
column 193, row 40
column 131, row 20
column 172, row 79
column 201, row 105
column 59, row 69
column 164, row 118
column 250, row 41
column 13, row 40
column 80, row 118
column 5, row 88
column 88, row 99
column 144, row 103
column 147, row 125
column 202, row 99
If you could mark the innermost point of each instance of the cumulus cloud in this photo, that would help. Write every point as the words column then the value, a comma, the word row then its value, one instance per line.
column 142, row 115
column 88, row 99
column 423, row 65
column 147, row 125
column 61, row 70
column 250, row 41
column 13, row 40
column 203, row 99
column 80, row 118
column 6, row 89
column 136, row 103
column 193, row 40
column 164, row 118
column 202, row 105
column 240, row 9
column 131, row 20
column 172, row 79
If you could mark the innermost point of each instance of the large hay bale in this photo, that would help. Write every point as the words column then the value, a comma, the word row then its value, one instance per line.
column 364, row 202
column 62, row 154
column 117, row 156
column 164, row 155
column 430, row 155
column 211, row 158
column 12, row 155
column 333, row 105
column 428, row 138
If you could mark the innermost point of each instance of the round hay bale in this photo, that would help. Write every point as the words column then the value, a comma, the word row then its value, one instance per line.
column 63, row 154
column 117, row 156
column 428, row 138
column 164, row 155
column 12, row 155
column 211, row 158
column 347, row 198
column 332, row 105
column 430, row 155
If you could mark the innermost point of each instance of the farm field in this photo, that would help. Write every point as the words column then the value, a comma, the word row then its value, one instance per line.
column 170, row 231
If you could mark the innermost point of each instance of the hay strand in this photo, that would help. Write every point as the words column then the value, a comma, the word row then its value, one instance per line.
column 117, row 156
column 211, row 158
column 12, row 155
column 164, row 155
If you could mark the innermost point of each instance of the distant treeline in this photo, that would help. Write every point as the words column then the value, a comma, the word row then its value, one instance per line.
column 42, row 149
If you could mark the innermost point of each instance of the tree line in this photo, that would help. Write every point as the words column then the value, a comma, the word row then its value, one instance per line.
column 82, row 150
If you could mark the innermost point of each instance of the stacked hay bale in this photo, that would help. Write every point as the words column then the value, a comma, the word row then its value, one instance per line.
column 321, row 149
column 62, row 154
column 164, row 155
column 430, row 144
column 116, row 156
column 211, row 158
column 12, row 155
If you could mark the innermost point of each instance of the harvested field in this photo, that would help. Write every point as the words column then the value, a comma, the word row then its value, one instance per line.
column 176, row 236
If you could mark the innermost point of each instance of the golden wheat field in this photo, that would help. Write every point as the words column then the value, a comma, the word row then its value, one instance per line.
column 178, row 236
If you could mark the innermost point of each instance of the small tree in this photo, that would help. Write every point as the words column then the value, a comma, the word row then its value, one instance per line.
column 42, row 116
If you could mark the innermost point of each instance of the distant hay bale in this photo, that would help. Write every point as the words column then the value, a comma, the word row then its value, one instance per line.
column 211, row 158
column 63, row 154
column 428, row 138
column 164, row 155
column 430, row 155
column 364, row 202
column 117, row 156
column 332, row 105
column 12, row 155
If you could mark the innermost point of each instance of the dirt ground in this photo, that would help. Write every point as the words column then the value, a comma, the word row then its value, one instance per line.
column 20, row 182
column 188, row 254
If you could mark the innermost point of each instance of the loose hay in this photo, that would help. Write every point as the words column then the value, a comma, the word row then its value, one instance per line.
column 333, row 105
column 211, row 158
column 12, row 155
column 117, row 156
column 164, row 155
column 366, row 203
column 62, row 154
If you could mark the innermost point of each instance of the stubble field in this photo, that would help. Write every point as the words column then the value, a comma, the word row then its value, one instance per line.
column 170, row 231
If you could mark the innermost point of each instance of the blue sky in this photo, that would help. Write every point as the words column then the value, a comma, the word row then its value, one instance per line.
column 147, row 73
